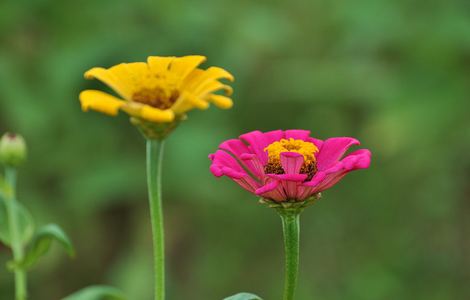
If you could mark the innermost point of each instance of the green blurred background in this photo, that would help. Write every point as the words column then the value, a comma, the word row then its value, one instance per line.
column 394, row 74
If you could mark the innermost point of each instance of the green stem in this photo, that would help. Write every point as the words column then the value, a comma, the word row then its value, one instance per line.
column 154, row 181
column 16, row 243
column 291, row 229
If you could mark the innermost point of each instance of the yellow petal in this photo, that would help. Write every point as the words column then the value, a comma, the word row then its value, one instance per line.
column 182, row 66
column 136, row 71
column 199, row 78
column 100, row 101
column 221, row 101
column 219, row 73
column 118, row 82
column 212, row 86
column 187, row 102
column 156, row 115
column 159, row 64
column 148, row 113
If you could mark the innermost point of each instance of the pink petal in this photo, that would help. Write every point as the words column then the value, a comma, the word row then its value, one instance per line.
column 235, row 147
column 304, row 192
column 332, row 150
column 271, row 185
column 297, row 134
column 291, row 162
column 323, row 180
column 315, row 141
column 289, row 177
column 272, row 190
column 247, row 183
column 253, row 163
column 240, row 151
column 224, row 164
column 258, row 140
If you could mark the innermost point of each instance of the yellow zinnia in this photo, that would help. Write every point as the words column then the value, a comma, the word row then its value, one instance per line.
column 160, row 91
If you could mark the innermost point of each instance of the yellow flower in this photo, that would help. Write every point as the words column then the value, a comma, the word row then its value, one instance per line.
column 159, row 91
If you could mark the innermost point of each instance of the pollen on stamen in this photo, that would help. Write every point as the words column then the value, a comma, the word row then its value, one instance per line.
column 307, row 149
column 156, row 97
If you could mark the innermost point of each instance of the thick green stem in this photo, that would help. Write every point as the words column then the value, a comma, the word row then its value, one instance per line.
column 291, row 229
column 15, row 239
column 154, row 181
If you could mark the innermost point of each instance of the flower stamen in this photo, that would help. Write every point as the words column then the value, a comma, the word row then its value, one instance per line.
column 307, row 150
column 156, row 97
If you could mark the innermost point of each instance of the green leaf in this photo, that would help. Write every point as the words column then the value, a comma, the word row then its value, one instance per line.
column 97, row 292
column 26, row 223
column 243, row 296
column 42, row 242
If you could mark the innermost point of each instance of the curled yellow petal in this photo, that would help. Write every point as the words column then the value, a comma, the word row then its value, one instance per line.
column 100, row 101
column 148, row 113
column 221, row 101
column 219, row 73
column 198, row 79
column 113, row 78
column 197, row 102
column 187, row 102
column 183, row 66
column 211, row 87
column 156, row 115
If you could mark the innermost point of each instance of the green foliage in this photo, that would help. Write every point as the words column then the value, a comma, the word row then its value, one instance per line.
column 243, row 296
column 25, row 220
column 98, row 292
column 42, row 241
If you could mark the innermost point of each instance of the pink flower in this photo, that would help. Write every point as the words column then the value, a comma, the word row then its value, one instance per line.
column 287, row 165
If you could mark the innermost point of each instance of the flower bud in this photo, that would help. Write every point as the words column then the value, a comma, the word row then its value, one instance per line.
column 12, row 150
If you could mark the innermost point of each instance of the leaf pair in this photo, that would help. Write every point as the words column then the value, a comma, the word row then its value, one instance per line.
column 40, row 242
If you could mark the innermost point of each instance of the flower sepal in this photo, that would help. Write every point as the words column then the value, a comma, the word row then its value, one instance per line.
column 290, row 206
column 156, row 131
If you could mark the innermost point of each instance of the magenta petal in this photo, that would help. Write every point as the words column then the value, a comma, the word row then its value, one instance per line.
column 297, row 134
column 258, row 140
column 291, row 162
column 272, row 190
column 234, row 146
column 223, row 164
column 316, row 179
column 323, row 180
column 247, row 156
column 289, row 177
column 332, row 150
column 241, row 152
column 247, row 183
column 316, row 142
column 359, row 159
column 271, row 185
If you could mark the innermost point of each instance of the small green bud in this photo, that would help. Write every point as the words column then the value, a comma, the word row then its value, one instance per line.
column 12, row 150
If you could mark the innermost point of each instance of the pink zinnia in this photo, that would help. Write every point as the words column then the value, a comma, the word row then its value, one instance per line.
column 287, row 165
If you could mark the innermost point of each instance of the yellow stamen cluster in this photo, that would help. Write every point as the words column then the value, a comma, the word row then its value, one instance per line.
column 307, row 149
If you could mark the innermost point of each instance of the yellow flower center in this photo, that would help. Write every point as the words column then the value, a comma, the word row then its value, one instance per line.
column 307, row 149
column 157, row 91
